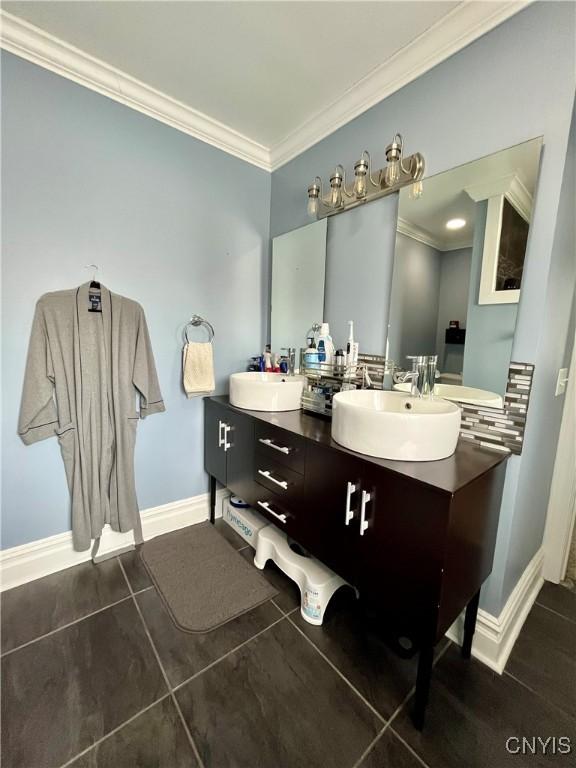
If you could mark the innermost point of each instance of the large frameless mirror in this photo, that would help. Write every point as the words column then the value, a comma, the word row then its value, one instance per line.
column 298, row 276
column 439, row 274
column 460, row 251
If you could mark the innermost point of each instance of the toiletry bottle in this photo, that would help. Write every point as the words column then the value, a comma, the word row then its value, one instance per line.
column 326, row 351
column 268, row 359
column 351, row 348
column 311, row 354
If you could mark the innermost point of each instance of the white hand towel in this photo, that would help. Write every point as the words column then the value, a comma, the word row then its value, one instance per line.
column 198, row 368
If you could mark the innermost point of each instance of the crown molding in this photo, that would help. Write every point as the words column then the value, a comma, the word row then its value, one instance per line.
column 409, row 229
column 32, row 43
column 511, row 187
column 467, row 22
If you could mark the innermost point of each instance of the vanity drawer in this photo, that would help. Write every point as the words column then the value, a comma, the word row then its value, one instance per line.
column 273, row 509
column 278, row 478
column 284, row 447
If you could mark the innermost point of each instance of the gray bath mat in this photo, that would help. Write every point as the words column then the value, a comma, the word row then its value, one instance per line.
column 203, row 581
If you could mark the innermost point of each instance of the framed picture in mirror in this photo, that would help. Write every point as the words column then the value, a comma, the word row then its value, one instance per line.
column 505, row 239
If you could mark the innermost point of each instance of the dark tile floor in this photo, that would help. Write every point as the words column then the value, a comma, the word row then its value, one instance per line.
column 95, row 675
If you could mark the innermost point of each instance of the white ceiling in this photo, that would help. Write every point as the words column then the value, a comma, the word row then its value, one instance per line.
column 444, row 196
column 264, row 70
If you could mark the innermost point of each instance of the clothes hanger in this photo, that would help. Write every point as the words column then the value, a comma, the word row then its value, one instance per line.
column 95, row 300
column 94, row 283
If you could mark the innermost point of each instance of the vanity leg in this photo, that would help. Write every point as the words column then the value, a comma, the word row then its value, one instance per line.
column 470, row 625
column 423, row 678
column 212, row 499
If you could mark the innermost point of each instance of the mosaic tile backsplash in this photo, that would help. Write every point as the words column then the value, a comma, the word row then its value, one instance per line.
column 501, row 428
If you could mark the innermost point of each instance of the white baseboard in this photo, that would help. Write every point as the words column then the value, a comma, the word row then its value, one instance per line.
column 27, row 562
column 495, row 636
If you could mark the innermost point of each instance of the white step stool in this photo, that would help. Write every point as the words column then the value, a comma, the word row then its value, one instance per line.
column 317, row 583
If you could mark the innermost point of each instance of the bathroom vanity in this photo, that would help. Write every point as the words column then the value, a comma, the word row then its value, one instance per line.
column 415, row 538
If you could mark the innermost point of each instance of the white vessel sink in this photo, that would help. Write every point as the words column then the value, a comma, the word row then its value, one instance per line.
column 266, row 391
column 392, row 425
column 457, row 393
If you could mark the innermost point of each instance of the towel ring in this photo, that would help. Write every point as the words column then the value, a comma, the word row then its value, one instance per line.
column 197, row 321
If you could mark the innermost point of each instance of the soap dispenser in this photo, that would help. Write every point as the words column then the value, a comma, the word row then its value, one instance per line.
column 326, row 349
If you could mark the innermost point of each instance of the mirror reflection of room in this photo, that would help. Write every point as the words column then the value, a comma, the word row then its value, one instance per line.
column 468, row 228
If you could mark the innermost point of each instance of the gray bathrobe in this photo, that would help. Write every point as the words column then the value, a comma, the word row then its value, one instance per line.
column 89, row 377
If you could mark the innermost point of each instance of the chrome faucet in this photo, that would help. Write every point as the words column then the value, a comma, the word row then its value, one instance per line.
column 422, row 376
column 291, row 357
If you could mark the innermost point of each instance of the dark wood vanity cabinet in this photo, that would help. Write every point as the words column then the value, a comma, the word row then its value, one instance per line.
column 389, row 531
column 415, row 538
column 229, row 448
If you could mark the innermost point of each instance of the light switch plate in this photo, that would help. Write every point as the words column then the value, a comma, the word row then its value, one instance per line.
column 561, row 381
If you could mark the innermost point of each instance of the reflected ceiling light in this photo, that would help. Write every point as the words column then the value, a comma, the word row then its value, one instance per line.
column 455, row 223
column 398, row 172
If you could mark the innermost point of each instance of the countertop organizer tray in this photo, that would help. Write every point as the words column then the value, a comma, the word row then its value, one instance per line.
column 323, row 381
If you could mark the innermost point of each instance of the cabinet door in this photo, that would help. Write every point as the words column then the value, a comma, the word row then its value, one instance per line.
column 329, row 523
column 399, row 547
column 382, row 533
column 239, row 448
column 214, row 454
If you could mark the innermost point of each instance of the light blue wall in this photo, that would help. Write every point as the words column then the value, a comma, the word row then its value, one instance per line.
column 359, row 273
column 174, row 223
column 453, row 305
column 491, row 327
column 414, row 303
column 513, row 84
column 554, row 352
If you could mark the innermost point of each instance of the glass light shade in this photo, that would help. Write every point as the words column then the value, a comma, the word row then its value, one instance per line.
column 360, row 185
column 416, row 190
column 392, row 175
column 312, row 206
column 336, row 196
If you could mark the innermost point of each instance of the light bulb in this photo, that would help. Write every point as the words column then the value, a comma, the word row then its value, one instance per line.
column 392, row 175
column 416, row 190
column 336, row 187
column 312, row 206
column 336, row 196
column 360, row 171
column 360, row 185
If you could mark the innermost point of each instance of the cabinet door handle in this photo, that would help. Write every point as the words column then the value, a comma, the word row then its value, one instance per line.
column 351, row 488
column 221, row 438
column 366, row 497
column 227, row 445
column 266, row 473
column 270, row 444
column 268, row 508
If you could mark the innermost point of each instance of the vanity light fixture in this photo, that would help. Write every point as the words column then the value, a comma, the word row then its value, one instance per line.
column 399, row 172
column 455, row 223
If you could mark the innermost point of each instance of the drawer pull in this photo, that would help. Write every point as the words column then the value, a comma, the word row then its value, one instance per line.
column 366, row 497
column 351, row 488
column 223, row 430
column 268, row 508
column 271, row 444
column 266, row 473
